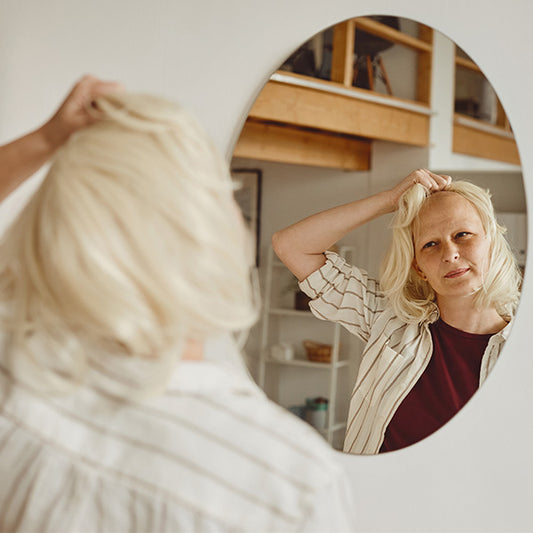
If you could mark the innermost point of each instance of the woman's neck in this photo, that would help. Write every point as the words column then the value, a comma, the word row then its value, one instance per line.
column 464, row 316
column 193, row 351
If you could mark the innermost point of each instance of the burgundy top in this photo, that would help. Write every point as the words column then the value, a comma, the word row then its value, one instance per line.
column 448, row 382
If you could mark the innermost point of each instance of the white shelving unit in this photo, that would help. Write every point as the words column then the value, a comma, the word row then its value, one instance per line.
column 272, row 311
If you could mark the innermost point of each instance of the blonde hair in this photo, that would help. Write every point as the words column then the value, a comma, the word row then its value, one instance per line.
column 132, row 244
column 411, row 297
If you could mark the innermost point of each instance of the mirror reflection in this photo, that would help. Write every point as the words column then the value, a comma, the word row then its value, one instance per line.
column 374, row 146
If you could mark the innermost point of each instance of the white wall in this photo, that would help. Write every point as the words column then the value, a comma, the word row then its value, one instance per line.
column 476, row 473
column 292, row 192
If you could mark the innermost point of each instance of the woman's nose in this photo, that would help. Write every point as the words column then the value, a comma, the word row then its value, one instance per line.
column 450, row 252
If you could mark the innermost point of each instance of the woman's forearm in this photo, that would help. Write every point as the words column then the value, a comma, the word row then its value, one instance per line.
column 22, row 158
column 301, row 246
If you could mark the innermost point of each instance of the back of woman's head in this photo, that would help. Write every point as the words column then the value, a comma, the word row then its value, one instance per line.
column 132, row 243
column 412, row 298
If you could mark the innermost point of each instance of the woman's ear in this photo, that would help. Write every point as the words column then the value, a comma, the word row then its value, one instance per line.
column 416, row 268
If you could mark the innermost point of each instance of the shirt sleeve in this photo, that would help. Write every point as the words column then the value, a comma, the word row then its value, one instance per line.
column 334, row 508
column 345, row 294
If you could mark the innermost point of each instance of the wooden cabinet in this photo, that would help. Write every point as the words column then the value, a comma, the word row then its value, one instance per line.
column 480, row 126
column 331, row 123
column 320, row 118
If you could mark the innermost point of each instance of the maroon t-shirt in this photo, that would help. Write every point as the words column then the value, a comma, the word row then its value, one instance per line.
column 448, row 382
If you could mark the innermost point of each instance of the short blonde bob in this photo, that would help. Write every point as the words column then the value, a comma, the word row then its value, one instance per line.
column 412, row 298
column 132, row 244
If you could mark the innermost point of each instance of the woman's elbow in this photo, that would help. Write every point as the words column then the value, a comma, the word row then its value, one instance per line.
column 284, row 245
column 278, row 243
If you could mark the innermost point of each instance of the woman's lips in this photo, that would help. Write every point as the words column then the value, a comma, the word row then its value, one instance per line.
column 457, row 273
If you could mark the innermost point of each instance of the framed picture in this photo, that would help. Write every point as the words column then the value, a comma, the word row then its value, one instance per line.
column 247, row 183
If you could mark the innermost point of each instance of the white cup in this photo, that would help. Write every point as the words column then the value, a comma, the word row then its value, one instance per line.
column 282, row 352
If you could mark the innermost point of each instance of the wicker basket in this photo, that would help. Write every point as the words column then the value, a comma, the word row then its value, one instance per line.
column 317, row 352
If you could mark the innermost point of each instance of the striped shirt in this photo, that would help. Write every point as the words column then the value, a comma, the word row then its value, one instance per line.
column 211, row 454
column 396, row 353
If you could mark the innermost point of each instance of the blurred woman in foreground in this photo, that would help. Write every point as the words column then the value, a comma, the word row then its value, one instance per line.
column 124, row 404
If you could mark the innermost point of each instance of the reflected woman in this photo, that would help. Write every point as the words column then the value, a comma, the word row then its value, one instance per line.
column 436, row 321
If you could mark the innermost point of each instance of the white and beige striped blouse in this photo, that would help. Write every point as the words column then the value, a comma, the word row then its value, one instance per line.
column 396, row 353
column 212, row 454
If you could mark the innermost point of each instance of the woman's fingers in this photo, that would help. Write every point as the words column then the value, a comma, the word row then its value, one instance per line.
column 430, row 180
column 439, row 181
column 75, row 112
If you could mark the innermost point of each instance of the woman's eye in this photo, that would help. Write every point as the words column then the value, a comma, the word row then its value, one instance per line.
column 429, row 244
column 462, row 234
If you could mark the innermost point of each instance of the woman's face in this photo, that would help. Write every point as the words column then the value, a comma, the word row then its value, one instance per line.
column 451, row 247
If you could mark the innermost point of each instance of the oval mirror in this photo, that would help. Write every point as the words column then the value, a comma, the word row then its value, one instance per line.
column 350, row 113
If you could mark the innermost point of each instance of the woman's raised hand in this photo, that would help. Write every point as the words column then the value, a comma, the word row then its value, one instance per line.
column 301, row 246
column 20, row 158
column 432, row 182
column 77, row 109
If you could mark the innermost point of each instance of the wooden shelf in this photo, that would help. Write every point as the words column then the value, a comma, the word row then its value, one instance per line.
column 480, row 138
column 336, row 427
column 392, row 35
column 308, row 364
column 301, row 120
column 477, row 138
column 331, row 107
column 462, row 62
column 282, row 143
column 309, row 121
column 344, row 39
column 290, row 312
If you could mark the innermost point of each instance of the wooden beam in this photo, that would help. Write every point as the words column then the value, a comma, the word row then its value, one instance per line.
column 312, row 108
column 462, row 62
column 425, row 60
column 479, row 143
column 390, row 34
column 273, row 142
column 502, row 121
column 357, row 92
column 342, row 53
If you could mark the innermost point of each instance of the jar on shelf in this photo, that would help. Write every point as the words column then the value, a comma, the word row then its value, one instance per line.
column 316, row 412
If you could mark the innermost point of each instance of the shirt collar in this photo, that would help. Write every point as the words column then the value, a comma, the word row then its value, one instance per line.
column 198, row 377
column 502, row 334
column 221, row 370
